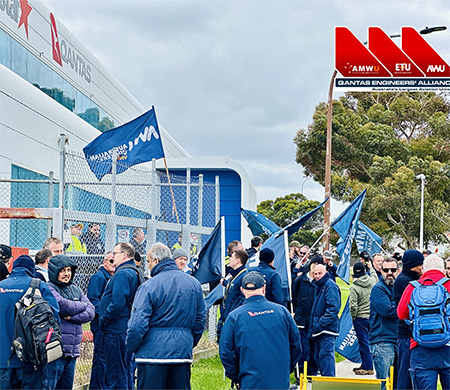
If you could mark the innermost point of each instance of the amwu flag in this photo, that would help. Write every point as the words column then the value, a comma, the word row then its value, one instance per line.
column 345, row 225
column 137, row 141
column 258, row 223
column 347, row 343
column 367, row 240
column 208, row 265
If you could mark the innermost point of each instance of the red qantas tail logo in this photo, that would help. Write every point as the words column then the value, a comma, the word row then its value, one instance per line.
column 55, row 41
column 383, row 58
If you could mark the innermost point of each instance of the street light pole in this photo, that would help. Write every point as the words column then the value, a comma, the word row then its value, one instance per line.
column 327, row 212
column 421, row 177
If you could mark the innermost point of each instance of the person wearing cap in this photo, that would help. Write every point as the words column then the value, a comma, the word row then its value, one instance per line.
column 75, row 245
column 233, row 296
column 181, row 257
column 15, row 374
column 412, row 262
column 427, row 363
column 5, row 260
column 166, row 323
column 303, row 294
column 324, row 323
column 260, row 343
column 359, row 302
column 274, row 291
column 383, row 320
column 74, row 310
column 256, row 244
column 300, row 266
column 96, row 288
column 328, row 261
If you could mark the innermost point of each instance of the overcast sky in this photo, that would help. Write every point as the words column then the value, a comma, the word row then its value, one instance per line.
column 237, row 78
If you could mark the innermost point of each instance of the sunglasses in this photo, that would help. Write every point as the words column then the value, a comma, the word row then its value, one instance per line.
column 386, row 270
column 303, row 253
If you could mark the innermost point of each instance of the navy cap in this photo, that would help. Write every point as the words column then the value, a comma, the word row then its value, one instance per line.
column 5, row 252
column 252, row 281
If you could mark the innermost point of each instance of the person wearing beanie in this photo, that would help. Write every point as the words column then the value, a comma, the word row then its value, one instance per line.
column 11, row 291
column 181, row 257
column 412, row 261
column 359, row 301
column 5, row 261
column 427, row 363
column 274, row 291
column 74, row 310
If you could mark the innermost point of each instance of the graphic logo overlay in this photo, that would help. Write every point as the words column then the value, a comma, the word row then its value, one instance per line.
column 381, row 65
column 26, row 9
column 55, row 41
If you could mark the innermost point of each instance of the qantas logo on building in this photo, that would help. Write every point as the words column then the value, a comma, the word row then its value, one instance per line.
column 383, row 58
column 63, row 51
column 11, row 7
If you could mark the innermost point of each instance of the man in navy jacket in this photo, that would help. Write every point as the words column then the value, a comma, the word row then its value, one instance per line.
column 16, row 374
column 383, row 320
column 260, row 343
column 324, row 325
column 167, row 321
column 115, row 311
column 96, row 288
column 233, row 297
column 274, row 291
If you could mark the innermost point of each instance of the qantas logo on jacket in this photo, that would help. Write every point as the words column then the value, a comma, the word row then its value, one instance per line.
column 259, row 313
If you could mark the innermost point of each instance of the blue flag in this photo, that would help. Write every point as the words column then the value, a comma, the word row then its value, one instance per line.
column 347, row 343
column 345, row 225
column 281, row 250
column 137, row 141
column 207, row 266
column 367, row 240
column 217, row 293
column 258, row 223
column 297, row 224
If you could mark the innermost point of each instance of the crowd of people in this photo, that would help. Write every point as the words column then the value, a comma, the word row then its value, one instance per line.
column 145, row 328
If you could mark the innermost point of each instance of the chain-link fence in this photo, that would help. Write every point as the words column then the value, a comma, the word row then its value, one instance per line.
column 142, row 205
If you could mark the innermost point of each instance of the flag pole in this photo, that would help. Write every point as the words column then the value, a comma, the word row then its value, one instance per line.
column 174, row 206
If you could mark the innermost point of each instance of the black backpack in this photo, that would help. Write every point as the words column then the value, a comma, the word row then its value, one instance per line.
column 37, row 336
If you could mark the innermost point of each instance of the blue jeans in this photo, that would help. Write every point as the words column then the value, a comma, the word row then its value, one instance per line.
column 324, row 346
column 25, row 377
column 61, row 372
column 118, row 362
column 404, row 364
column 427, row 364
column 361, row 326
column 383, row 355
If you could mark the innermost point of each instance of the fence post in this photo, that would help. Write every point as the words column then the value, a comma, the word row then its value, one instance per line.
column 217, row 185
column 188, row 196
column 50, row 201
column 151, row 224
column 113, row 181
column 62, row 184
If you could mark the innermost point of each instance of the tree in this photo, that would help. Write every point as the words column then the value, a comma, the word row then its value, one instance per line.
column 381, row 141
column 284, row 210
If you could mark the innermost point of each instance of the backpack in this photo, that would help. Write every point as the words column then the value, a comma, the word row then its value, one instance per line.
column 37, row 336
column 140, row 275
column 429, row 312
